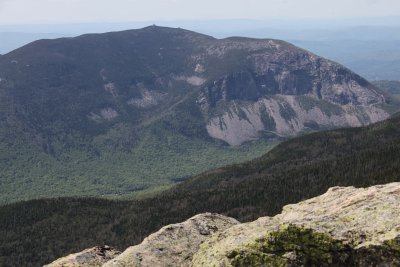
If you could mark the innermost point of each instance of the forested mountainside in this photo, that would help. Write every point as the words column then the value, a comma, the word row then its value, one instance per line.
column 39, row 231
column 119, row 113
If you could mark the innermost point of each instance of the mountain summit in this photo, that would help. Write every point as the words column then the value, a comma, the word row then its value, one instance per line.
column 73, row 105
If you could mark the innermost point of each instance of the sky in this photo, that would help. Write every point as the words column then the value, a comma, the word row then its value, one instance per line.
column 78, row 11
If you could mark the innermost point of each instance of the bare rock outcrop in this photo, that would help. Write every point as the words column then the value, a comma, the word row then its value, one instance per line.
column 91, row 257
column 173, row 245
column 346, row 226
column 343, row 227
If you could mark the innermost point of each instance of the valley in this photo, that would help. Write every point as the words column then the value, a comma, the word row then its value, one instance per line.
column 40, row 231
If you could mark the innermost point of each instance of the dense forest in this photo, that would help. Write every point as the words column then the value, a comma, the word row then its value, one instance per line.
column 38, row 231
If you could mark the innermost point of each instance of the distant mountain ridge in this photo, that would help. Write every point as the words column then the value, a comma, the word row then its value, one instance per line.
column 104, row 114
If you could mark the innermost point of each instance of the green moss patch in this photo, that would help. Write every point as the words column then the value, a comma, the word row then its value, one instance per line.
column 292, row 245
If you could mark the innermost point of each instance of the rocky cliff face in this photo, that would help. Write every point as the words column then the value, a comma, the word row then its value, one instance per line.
column 284, row 91
column 288, row 115
column 343, row 227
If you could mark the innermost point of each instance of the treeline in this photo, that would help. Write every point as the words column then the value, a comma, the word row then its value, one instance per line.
column 37, row 232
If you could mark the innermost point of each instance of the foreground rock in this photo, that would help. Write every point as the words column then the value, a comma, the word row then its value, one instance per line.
column 88, row 258
column 174, row 245
column 343, row 227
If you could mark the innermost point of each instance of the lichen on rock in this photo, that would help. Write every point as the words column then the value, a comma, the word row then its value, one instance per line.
column 173, row 245
column 92, row 257
column 344, row 227
column 290, row 245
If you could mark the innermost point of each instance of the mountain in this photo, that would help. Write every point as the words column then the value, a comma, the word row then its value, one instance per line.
column 374, row 57
column 392, row 88
column 334, row 229
column 368, row 47
column 119, row 113
column 40, row 231
column 12, row 40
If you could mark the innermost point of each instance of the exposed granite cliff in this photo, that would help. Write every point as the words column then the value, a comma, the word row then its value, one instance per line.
column 346, row 226
column 277, row 88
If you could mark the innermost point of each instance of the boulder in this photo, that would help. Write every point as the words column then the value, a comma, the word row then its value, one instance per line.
column 173, row 245
column 343, row 227
column 92, row 257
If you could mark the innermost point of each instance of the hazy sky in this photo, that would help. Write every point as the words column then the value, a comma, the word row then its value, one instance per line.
column 61, row 11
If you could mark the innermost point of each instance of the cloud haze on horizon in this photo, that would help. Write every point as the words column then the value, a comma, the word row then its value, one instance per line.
column 76, row 11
